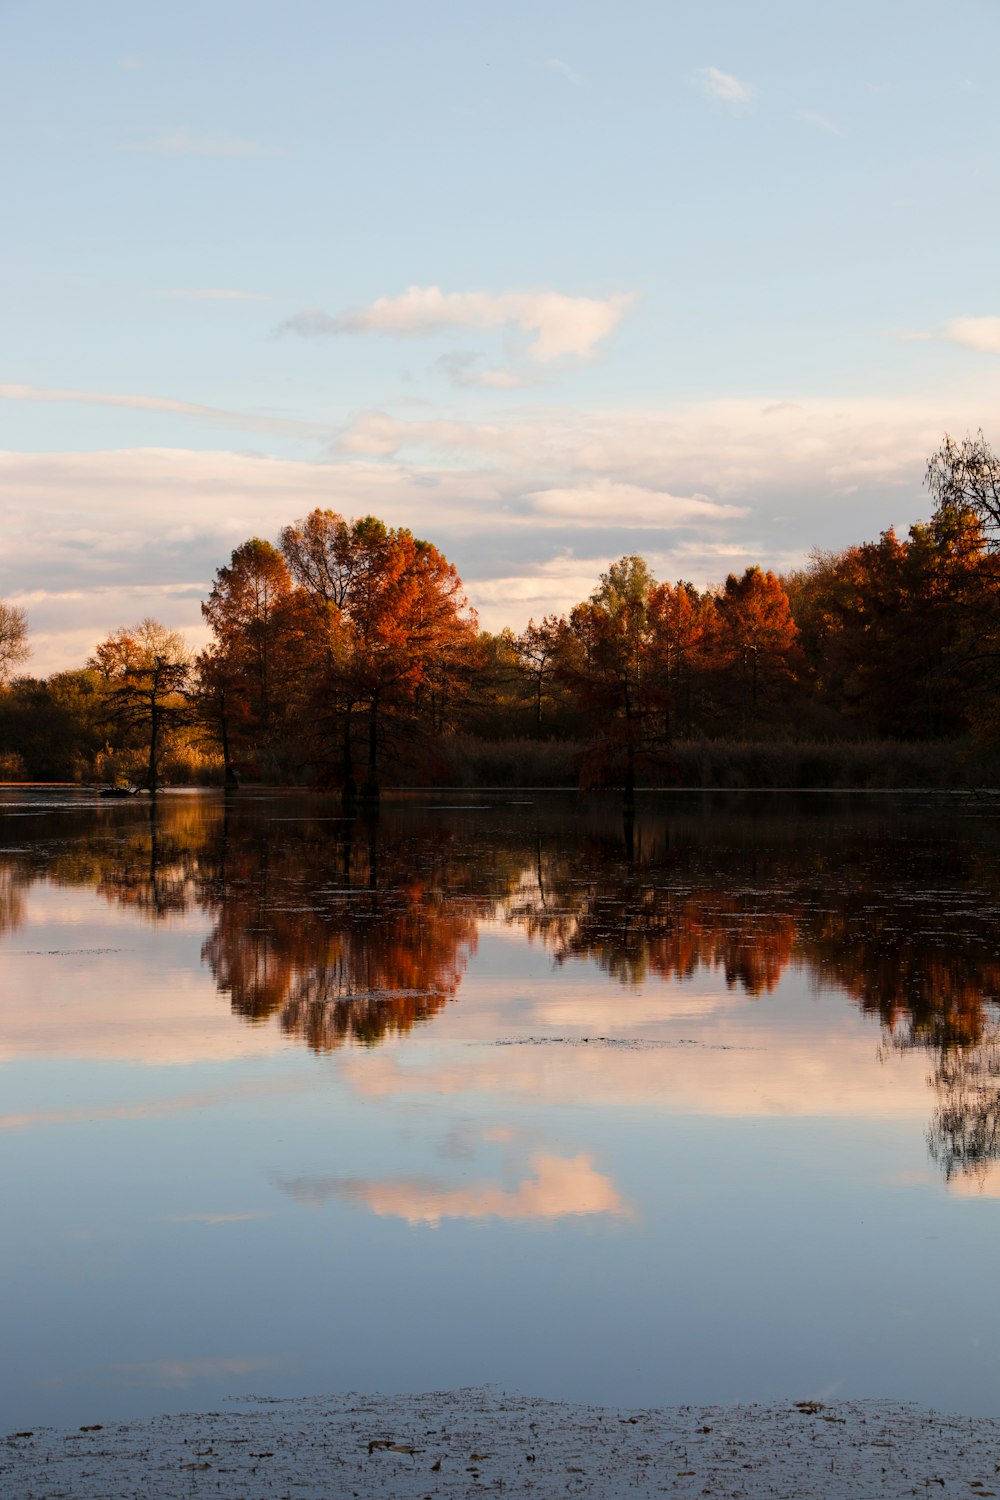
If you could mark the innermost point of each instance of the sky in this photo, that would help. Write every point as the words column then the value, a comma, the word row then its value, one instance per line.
column 545, row 282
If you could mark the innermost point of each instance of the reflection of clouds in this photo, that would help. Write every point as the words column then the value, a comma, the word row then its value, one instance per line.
column 150, row 1008
column 603, row 1009
column 151, row 1109
column 982, row 1182
column 176, row 1374
column 559, row 1187
column 213, row 1218
column 12, row 900
column 808, row 1076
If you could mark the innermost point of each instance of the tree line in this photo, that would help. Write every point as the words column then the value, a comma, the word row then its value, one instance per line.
column 345, row 653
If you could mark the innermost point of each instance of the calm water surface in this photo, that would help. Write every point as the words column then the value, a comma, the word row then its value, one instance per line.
column 705, row 1107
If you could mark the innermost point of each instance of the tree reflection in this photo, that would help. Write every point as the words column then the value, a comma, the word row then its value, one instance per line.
column 964, row 1136
column 13, row 887
column 902, row 919
column 346, row 930
column 342, row 930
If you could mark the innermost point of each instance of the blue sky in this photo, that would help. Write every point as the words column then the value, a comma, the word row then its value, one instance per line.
column 545, row 282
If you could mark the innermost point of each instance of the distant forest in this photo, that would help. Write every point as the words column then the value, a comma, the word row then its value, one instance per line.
column 346, row 657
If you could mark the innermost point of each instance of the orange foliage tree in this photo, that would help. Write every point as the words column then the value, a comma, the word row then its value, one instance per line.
column 757, row 643
column 394, row 633
column 241, row 674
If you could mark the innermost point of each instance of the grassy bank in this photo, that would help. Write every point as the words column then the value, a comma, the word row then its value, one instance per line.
column 733, row 764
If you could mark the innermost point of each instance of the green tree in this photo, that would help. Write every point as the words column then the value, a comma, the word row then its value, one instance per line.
column 608, row 659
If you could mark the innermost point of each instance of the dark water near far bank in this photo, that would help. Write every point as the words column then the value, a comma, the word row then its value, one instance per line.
column 700, row 1107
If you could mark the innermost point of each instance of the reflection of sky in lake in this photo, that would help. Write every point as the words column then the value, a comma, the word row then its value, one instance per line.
column 554, row 1175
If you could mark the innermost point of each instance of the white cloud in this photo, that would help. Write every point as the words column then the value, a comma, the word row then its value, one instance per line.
column 181, row 142
column 216, row 416
column 464, row 372
column 821, row 122
column 633, row 504
column 530, row 506
column 215, row 294
column 974, row 333
column 715, row 84
column 558, row 325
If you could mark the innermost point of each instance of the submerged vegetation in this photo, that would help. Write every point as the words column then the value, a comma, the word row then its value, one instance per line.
column 346, row 656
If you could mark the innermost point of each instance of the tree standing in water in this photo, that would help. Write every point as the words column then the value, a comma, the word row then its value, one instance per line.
column 609, row 660
column 389, row 616
column 146, row 668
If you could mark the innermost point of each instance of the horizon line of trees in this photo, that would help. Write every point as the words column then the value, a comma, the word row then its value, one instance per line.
column 348, row 651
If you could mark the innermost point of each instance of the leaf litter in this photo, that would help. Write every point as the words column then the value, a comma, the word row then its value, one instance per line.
column 451, row 1444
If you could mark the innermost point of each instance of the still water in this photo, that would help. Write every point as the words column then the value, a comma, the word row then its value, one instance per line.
column 699, row 1107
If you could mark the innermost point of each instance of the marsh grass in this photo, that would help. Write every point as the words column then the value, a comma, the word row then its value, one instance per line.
column 728, row 764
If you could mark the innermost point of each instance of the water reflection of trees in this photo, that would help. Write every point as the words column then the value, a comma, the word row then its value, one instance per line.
column 344, row 930
column 338, row 930
column 898, row 911
column 964, row 1135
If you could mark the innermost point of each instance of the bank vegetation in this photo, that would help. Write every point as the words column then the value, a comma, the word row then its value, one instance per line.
column 344, row 655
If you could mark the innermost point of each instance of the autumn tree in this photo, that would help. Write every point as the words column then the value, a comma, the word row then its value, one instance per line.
column 757, row 642
column 392, row 628
column 244, row 611
column 895, row 633
column 244, row 678
column 684, row 627
column 146, row 668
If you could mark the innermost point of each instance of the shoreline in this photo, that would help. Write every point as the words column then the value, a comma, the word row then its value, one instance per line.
column 478, row 1440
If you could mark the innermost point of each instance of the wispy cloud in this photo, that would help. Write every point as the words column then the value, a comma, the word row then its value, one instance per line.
column 465, row 372
column 724, row 87
column 215, row 294
column 557, row 325
column 635, row 505
column 182, row 142
column 981, row 334
column 974, row 333
column 833, row 469
column 821, row 122
column 216, row 416
column 557, row 65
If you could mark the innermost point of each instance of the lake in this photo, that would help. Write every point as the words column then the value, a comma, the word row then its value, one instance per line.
column 700, row 1106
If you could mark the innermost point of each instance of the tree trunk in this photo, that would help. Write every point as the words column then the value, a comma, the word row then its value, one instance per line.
column 370, row 790
column 152, row 776
column 349, row 790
